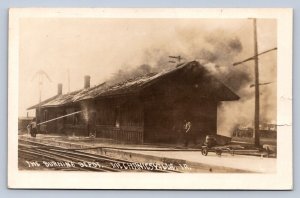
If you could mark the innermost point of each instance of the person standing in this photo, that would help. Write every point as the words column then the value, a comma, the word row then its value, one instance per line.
column 32, row 127
column 187, row 132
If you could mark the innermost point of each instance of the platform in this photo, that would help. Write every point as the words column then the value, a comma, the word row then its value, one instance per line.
column 191, row 157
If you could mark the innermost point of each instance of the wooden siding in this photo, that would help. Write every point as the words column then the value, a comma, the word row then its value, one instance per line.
column 174, row 100
column 153, row 111
column 75, row 130
column 120, row 119
column 122, row 134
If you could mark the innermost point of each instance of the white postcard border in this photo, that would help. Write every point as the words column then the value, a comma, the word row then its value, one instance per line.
column 282, row 179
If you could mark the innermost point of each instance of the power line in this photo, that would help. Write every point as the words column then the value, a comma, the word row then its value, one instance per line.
column 253, row 57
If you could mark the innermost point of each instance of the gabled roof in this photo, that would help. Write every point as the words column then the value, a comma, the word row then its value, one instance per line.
column 62, row 99
column 56, row 100
column 43, row 102
column 127, row 87
column 133, row 85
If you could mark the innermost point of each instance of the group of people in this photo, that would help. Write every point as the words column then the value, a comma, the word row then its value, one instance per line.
column 32, row 128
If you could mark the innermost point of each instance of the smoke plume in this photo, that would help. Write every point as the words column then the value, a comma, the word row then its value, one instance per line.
column 216, row 51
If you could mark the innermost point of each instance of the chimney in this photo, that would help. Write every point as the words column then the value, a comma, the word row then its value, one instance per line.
column 59, row 89
column 87, row 83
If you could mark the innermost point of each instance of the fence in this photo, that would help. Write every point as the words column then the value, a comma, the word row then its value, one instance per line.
column 122, row 134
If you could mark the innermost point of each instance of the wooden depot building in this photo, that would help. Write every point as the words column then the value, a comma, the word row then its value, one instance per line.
column 148, row 109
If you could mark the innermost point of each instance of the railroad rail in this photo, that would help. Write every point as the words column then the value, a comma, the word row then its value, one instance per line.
column 36, row 151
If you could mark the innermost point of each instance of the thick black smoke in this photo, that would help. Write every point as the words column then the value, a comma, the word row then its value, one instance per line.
column 217, row 51
column 219, row 56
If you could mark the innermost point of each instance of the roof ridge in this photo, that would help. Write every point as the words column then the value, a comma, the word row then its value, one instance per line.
column 79, row 94
column 127, row 86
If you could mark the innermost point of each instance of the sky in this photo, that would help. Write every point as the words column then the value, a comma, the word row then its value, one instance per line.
column 102, row 47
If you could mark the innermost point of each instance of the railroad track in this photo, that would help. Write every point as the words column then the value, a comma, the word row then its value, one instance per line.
column 62, row 159
column 34, row 151
column 36, row 157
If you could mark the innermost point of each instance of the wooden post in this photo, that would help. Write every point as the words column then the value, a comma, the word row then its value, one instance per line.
column 38, row 117
column 68, row 81
column 256, row 110
column 256, row 83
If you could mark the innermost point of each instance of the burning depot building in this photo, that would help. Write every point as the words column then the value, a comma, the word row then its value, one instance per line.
column 148, row 109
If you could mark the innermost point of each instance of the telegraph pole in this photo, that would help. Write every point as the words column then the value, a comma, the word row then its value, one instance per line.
column 68, row 81
column 40, row 97
column 256, row 83
column 177, row 58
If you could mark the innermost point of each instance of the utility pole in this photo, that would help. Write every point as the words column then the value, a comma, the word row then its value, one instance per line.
column 177, row 58
column 68, row 81
column 256, row 82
